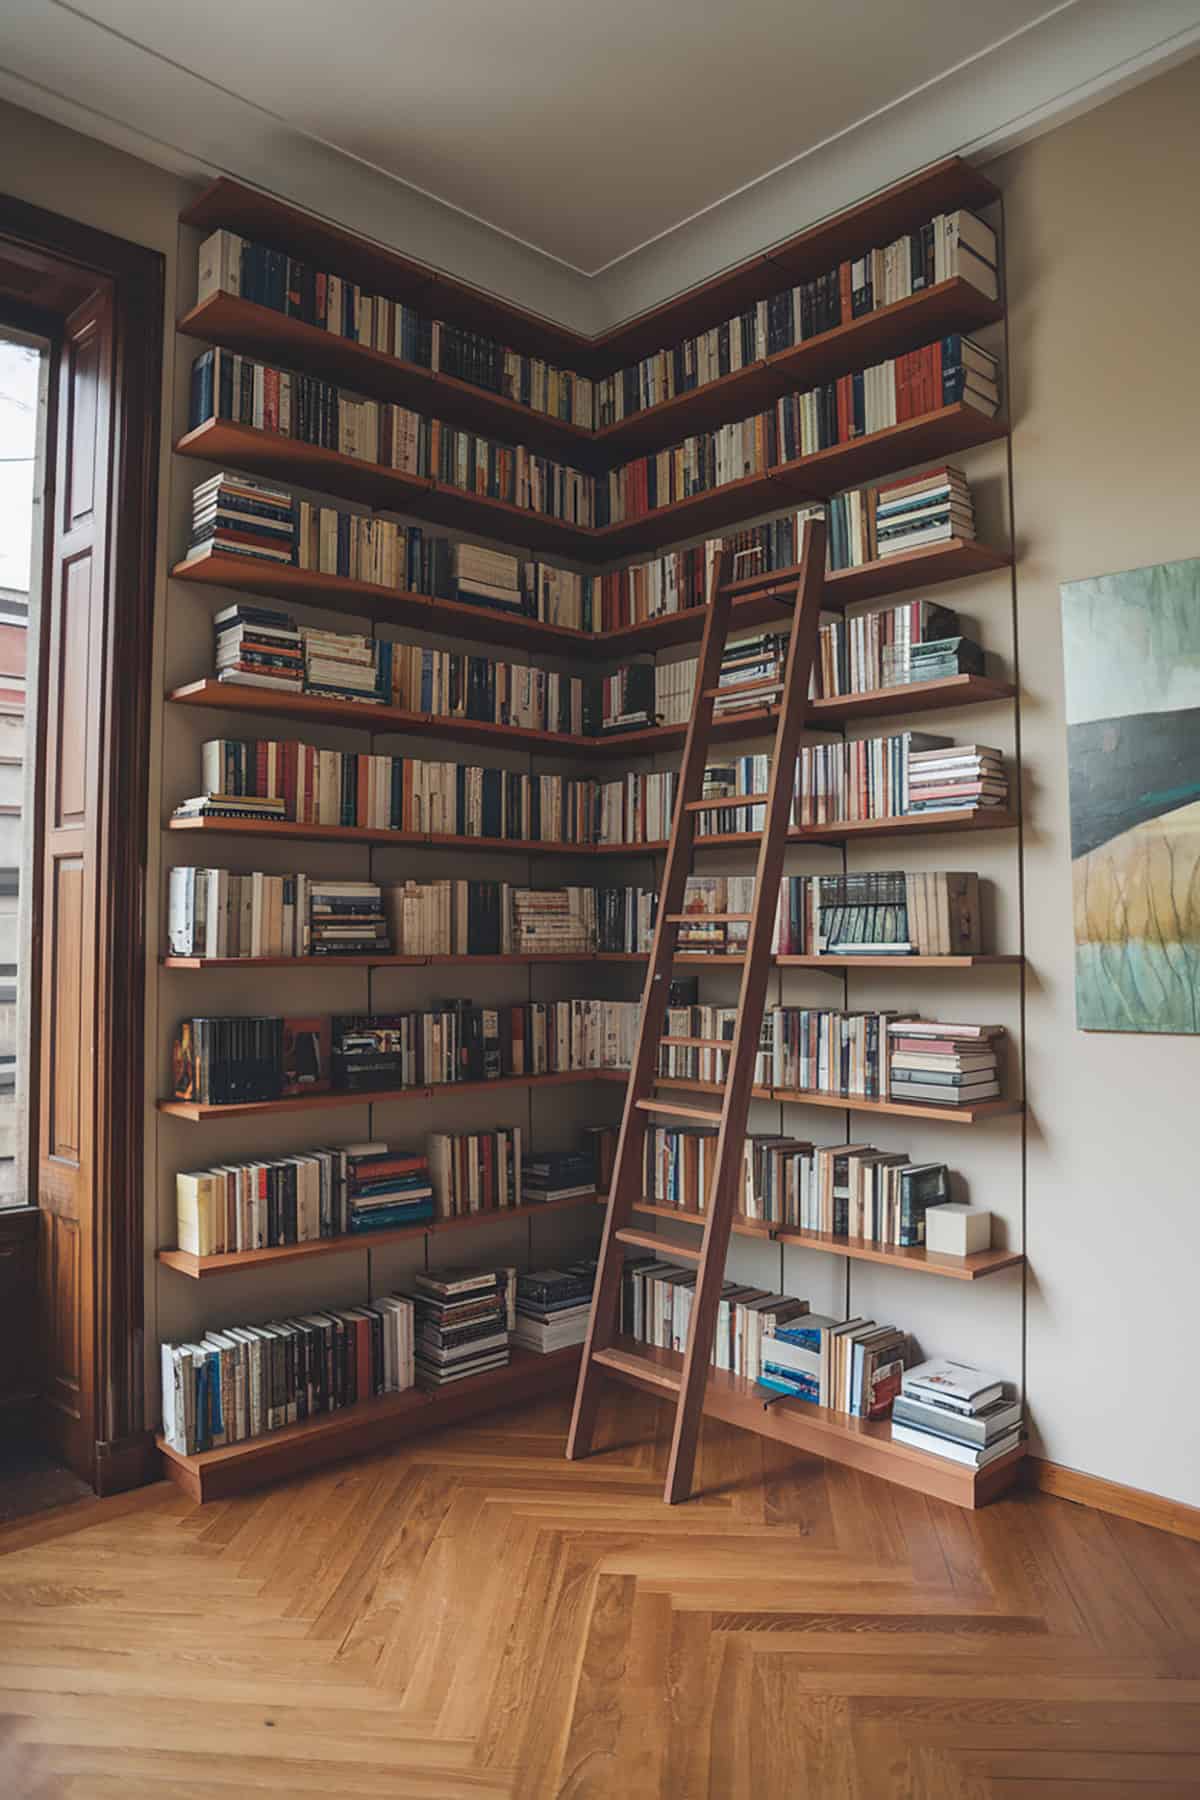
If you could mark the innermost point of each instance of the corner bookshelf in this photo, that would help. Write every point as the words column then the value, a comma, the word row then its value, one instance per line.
column 243, row 326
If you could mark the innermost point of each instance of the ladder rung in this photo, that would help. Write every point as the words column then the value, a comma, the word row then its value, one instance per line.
column 727, row 800
column 647, row 1240
column 709, row 918
column 678, row 1111
column 686, row 1043
column 624, row 1362
column 773, row 685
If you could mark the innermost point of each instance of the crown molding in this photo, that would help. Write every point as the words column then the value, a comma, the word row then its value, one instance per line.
column 56, row 62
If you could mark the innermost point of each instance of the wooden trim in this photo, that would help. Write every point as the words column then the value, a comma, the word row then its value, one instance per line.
column 1175, row 1516
column 131, row 1462
column 834, row 965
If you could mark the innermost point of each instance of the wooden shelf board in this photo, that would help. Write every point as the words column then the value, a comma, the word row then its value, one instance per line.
column 198, row 1113
column 918, row 1260
column 697, row 958
column 863, row 1444
column 991, row 818
column 905, row 1109
column 218, row 1474
column 197, row 1267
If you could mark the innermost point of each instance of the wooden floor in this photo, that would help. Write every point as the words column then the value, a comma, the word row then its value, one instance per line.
column 471, row 1616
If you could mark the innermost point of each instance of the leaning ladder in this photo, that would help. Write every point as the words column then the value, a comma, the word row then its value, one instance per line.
column 604, row 1354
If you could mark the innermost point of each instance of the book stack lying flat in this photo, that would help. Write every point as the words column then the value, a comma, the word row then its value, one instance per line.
column 461, row 1324
column 932, row 661
column 560, row 1175
column 955, row 1410
column 853, row 1366
column 553, row 1307
column 486, row 577
column 250, row 1379
column 217, row 805
column 950, row 1064
column 235, row 516
column 552, row 921
column 751, row 673
column 345, row 665
column 256, row 646
column 956, row 778
column 476, row 1171
column 344, row 918
column 386, row 1188
column 919, row 510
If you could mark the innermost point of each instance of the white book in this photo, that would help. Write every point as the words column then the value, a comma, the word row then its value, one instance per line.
column 220, row 270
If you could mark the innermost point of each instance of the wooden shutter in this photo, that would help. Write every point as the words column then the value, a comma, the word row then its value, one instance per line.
column 74, row 692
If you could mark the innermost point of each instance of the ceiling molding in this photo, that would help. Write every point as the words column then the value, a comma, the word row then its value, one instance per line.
column 55, row 61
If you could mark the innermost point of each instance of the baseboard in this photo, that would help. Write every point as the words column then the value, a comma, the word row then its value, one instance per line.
column 127, row 1463
column 1113, row 1497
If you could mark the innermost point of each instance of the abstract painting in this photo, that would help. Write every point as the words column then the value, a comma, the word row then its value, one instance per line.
column 1131, row 655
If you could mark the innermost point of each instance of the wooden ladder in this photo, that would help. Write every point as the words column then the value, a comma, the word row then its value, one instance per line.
column 604, row 1356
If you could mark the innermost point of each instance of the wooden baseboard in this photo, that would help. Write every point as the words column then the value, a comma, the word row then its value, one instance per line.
column 1113, row 1497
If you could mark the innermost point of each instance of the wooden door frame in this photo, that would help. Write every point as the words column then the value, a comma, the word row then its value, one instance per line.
column 69, row 259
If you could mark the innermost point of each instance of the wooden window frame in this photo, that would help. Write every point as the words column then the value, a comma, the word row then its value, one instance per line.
column 59, row 261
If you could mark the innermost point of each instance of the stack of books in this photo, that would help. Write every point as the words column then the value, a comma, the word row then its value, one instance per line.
column 256, row 646
column 752, row 672
column 249, row 1379
column 552, row 921
column 955, row 1410
column 707, row 900
column 235, row 516
column 560, row 1175
column 853, row 1366
column 952, row 1065
column 344, row 918
column 553, row 1307
column 263, row 809
column 956, row 778
column 461, row 1324
column 919, row 510
column 385, row 1188
column 345, row 665
column 476, row 1171
column 933, row 660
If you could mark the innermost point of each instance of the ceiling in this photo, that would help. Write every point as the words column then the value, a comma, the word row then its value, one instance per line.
column 583, row 128
column 583, row 157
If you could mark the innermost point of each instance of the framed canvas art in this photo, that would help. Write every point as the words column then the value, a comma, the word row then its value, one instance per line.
column 1131, row 657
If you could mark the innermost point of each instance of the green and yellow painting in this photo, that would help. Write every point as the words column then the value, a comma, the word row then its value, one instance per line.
column 1131, row 654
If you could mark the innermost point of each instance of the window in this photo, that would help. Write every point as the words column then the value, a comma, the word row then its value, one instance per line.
column 23, row 370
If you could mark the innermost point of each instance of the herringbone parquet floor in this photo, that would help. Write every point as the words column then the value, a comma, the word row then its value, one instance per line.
column 469, row 1616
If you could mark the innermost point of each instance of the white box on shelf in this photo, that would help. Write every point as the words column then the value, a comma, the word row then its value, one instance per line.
column 955, row 1229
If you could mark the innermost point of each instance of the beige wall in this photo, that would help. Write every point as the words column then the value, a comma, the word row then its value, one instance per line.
column 1104, row 401
column 1103, row 274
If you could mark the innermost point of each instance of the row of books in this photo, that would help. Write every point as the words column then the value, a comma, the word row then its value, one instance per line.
column 953, row 370
column 872, row 913
column 950, row 244
column 226, row 385
column 215, row 913
column 553, row 1307
column 476, row 1171
column 656, row 1306
column 867, row 1055
column 842, row 1190
column 860, row 779
column 889, row 647
column 247, row 1380
column 295, row 1199
column 220, row 1061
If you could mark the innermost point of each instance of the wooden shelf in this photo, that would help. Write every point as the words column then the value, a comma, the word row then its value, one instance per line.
column 198, row 1113
column 905, row 1109
column 235, row 1468
column 987, row 819
column 941, row 187
column 235, row 1261
column 320, row 709
column 833, row 964
column 916, row 1260
column 863, row 1444
column 932, row 435
column 392, row 606
column 760, row 600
